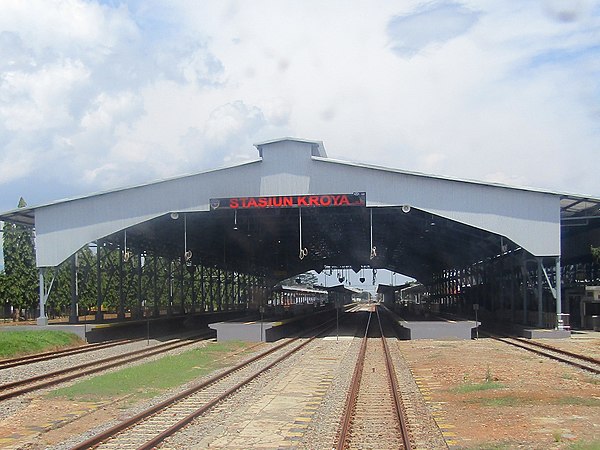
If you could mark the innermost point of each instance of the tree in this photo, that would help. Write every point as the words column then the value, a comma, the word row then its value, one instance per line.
column 21, row 281
column 60, row 297
column 595, row 253
column 304, row 279
column 4, row 292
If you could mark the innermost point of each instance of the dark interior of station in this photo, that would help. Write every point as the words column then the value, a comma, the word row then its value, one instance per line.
column 267, row 242
column 458, row 265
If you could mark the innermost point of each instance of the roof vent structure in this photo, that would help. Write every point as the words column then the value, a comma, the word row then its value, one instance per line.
column 291, row 145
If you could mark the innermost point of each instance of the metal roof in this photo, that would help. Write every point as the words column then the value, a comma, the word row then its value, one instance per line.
column 300, row 289
column 420, row 223
column 580, row 228
column 571, row 205
column 342, row 288
column 26, row 215
column 317, row 147
column 579, row 208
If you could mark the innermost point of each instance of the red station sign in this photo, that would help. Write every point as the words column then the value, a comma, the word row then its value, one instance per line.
column 290, row 201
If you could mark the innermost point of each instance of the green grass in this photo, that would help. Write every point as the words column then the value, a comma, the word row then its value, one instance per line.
column 475, row 387
column 507, row 400
column 589, row 445
column 511, row 400
column 18, row 343
column 435, row 355
column 592, row 445
column 494, row 446
column 152, row 378
column 591, row 380
column 579, row 401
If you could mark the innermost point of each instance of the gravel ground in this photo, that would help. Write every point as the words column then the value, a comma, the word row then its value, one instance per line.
column 539, row 404
column 423, row 429
column 261, row 415
column 27, row 370
column 530, row 402
column 321, row 432
column 139, row 407
column 325, row 367
column 10, row 407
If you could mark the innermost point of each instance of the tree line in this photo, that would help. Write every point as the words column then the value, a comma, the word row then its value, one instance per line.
column 157, row 281
column 18, row 279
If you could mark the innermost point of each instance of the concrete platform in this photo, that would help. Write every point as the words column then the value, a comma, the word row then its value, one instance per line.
column 155, row 327
column 255, row 331
column 542, row 333
column 437, row 329
column 433, row 327
column 268, row 330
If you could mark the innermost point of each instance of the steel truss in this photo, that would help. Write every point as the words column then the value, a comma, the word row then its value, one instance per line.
column 514, row 287
column 137, row 284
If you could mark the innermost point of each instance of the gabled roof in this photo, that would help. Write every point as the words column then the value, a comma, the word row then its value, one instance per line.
column 571, row 205
column 438, row 221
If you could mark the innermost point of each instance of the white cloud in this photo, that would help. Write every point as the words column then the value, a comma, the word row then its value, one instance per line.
column 567, row 10
column 15, row 166
column 433, row 23
column 230, row 120
column 100, row 96
column 39, row 100
column 61, row 27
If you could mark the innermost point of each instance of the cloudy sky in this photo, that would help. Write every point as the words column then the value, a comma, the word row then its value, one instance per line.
column 96, row 95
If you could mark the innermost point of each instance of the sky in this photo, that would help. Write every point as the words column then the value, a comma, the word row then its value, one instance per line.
column 96, row 95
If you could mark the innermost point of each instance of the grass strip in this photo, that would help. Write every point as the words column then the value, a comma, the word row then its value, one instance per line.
column 591, row 445
column 152, row 378
column 512, row 400
column 475, row 387
column 579, row 401
column 19, row 343
column 507, row 400
column 495, row 446
column 509, row 445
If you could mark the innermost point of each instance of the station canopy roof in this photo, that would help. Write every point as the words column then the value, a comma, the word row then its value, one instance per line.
column 407, row 222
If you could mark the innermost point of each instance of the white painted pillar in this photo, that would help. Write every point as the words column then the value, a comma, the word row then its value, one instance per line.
column 540, row 292
column 560, row 323
column 42, row 320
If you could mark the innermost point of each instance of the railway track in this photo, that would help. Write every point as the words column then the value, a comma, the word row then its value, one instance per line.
column 46, row 356
column 374, row 415
column 150, row 427
column 48, row 379
column 573, row 359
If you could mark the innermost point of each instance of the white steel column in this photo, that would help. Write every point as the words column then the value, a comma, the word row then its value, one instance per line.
column 559, row 319
column 524, row 290
column 42, row 320
column 540, row 292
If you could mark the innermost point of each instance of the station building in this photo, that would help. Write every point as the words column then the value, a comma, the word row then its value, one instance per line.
column 221, row 240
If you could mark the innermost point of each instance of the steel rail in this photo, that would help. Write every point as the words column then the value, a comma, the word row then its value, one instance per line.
column 561, row 351
column 346, row 422
column 349, row 410
column 121, row 360
column 524, row 345
column 399, row 410
column 107, row 434
column 45, row 356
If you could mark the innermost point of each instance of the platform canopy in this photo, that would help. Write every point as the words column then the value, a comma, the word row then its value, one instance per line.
column 294, row 209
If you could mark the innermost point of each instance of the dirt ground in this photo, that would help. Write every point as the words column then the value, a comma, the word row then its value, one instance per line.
column 535, row 403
